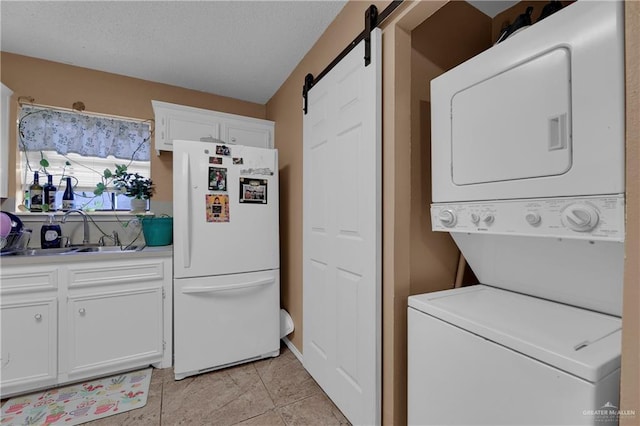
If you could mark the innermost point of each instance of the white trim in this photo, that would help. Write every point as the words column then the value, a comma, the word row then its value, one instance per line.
column 293, row 349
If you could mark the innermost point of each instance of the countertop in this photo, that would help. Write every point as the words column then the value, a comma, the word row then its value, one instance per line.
column 146, row 253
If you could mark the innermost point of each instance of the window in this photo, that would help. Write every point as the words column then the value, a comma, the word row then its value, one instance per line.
column 81, row 146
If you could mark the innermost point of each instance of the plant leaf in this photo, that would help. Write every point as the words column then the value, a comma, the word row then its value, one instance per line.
column 100, row 188
column 44, row 162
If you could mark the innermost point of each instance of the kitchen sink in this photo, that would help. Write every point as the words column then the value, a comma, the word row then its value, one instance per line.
column 41, row 252
column 108, row 249
column 66, row 251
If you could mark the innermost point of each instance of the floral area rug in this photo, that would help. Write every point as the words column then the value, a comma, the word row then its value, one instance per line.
column 79, row 403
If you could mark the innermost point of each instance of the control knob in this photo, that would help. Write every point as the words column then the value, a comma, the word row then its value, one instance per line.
column 475, row 218
column 488, row 219
column 580, row 217
column 533, row 219
column 447, row 217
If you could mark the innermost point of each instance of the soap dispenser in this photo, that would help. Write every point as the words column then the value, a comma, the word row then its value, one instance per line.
column 50, row 233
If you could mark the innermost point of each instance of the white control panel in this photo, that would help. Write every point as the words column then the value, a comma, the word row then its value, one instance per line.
column 592, row 218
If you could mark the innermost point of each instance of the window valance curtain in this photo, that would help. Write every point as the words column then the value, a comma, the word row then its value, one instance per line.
column 44, row 129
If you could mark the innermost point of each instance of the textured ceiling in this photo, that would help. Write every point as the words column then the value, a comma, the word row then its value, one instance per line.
column 241, row 49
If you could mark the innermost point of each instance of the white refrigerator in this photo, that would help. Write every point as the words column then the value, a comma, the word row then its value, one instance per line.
column 226, row 255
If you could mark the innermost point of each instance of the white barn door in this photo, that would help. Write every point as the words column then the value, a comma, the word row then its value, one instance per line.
column 342, row 234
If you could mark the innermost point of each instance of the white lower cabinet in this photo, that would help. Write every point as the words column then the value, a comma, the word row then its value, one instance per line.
column 29, row 322
column 104, row 317
column 29, row 351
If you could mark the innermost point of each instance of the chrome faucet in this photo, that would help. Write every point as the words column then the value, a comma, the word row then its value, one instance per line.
column 114, row 237
column 85, row 237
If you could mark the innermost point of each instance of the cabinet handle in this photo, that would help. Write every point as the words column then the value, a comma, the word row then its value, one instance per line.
column 38, row 317
column 81, row 311
column 233, row 139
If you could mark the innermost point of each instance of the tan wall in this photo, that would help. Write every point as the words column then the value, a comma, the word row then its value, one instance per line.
column 452, row 35
column 630, row 386
column 60, row 85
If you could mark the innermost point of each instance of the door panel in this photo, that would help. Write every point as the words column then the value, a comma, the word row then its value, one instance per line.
column 225, row 319
column 526, row 128
column 202, row 248
column 191, row 129
column 342, row 234
column 106, row 329
column 29, row 344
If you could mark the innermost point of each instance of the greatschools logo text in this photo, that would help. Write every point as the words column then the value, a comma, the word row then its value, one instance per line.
column 609, row 412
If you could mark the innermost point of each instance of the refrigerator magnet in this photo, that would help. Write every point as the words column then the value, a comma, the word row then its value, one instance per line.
column 215, row 160
column 217, row 179
column 223, row 150
column 238, row 160
column 253, row 190
column 217, row 207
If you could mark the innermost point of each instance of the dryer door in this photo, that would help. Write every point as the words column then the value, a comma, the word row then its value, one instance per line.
column 524, row 132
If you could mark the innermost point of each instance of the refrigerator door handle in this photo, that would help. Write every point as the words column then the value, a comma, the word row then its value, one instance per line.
column 186, row 201
column 215, row 289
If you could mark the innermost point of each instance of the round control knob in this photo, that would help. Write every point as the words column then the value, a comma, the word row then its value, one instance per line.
column 533, row 219
column 475, row 218
column 488, row 219
column 447, row 217
column 580, row 217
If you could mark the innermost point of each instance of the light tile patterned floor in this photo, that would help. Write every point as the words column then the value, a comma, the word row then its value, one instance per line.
column 272, row 392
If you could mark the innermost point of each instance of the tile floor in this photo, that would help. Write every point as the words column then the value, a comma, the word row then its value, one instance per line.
column 271, row 392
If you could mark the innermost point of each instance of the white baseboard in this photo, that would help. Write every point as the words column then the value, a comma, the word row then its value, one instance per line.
column 293, row 349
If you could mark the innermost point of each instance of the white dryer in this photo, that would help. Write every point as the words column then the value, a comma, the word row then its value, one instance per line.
column 528, row 177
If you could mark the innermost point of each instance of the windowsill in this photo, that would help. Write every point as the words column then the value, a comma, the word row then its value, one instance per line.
column 99, row 216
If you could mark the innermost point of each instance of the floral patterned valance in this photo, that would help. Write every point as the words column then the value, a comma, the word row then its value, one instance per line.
column 90, row 136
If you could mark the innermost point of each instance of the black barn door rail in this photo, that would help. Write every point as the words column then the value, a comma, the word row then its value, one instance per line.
column 371, row 20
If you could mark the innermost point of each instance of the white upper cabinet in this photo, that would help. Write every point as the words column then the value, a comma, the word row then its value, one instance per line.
column 184, row 122
column 4, row 140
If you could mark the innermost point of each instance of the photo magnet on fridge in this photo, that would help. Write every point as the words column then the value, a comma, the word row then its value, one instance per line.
column 223, row 150
column 215, row 160
column 217, row 179
column 238, row 160
column 253, row 190
column 217, row 207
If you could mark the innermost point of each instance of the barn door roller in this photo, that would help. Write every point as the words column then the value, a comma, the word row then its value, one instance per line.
column 371, row 21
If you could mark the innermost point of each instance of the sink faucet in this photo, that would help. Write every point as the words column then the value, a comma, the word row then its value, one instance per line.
column 85, row 237
column 114, row 237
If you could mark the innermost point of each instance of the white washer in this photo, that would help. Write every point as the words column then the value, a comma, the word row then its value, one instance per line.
column 481, row 355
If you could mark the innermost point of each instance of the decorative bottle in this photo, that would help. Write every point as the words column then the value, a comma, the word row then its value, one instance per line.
column 67, row 198
column 50, row 233
column 50, row 194
column 35, row 192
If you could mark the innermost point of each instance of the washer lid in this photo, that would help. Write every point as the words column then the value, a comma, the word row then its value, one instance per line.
column 584, row 343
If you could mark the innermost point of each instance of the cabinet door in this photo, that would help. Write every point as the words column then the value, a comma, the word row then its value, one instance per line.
column 29, row 344
column 119, row 329
column 187, row 124
column 243, row 134
column 191, row 128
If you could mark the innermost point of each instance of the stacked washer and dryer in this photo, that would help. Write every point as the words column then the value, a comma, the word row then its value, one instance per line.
column 528, row 178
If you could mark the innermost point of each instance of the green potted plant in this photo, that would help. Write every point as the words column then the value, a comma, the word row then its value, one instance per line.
column 133, row 185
